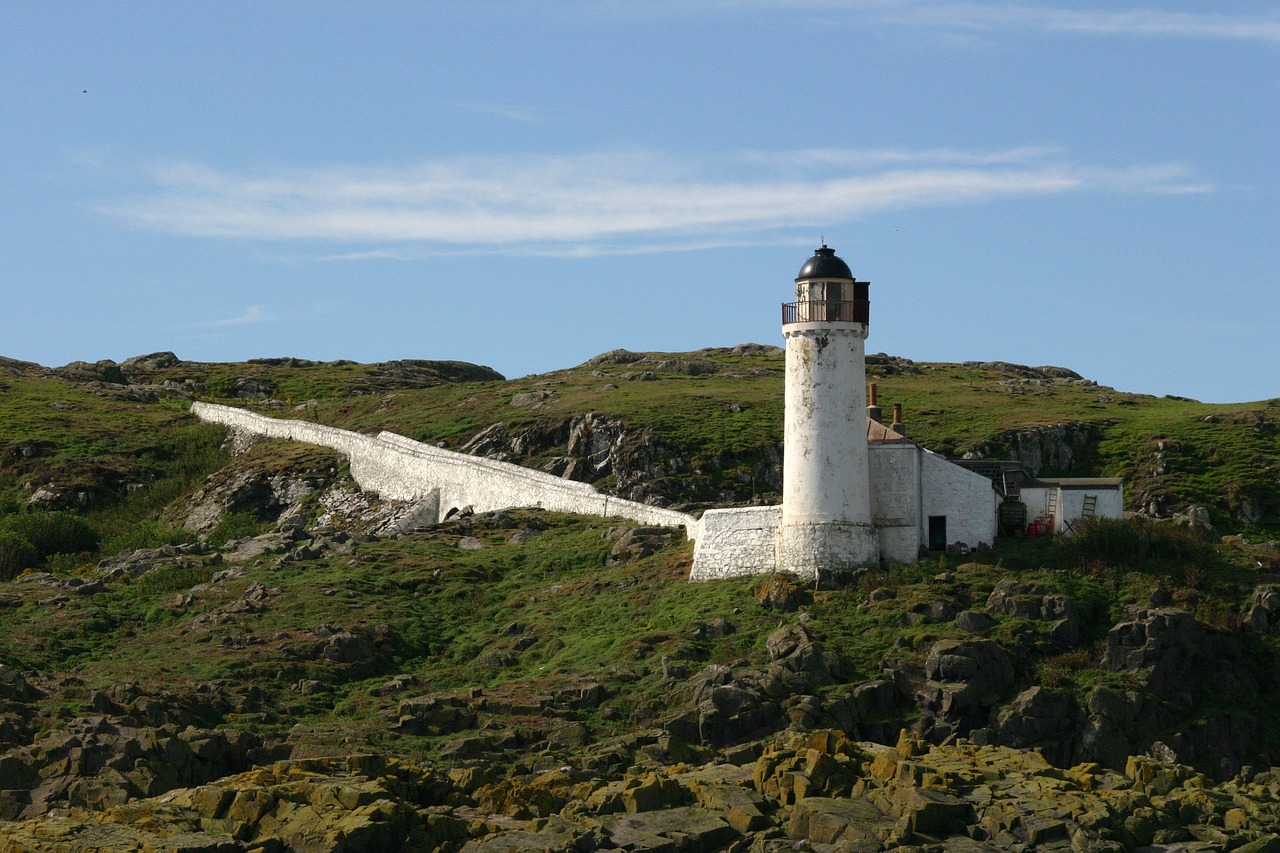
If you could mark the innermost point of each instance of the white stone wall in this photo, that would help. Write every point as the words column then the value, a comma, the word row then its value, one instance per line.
column 964, row 497
column 1110, row 503
column 402, row 469
column 807, row 549
column 895, row 499
column 1070, row 502
column 1036, row 498
column 737, row 542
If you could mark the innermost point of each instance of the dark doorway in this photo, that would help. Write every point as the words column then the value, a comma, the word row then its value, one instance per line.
column 937, row 533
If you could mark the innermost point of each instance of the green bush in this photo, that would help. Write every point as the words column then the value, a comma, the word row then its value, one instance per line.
column 16, row 555
column 1136, row 543
column 236, row 525
column 143, row 534
column 52, row 532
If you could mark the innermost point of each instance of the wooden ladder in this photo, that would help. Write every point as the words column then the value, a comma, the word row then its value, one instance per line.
column 1051, row 509
column 1090, row 506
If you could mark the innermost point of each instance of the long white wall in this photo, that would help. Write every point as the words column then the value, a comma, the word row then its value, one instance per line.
column 399, row 468
column 1069, row 495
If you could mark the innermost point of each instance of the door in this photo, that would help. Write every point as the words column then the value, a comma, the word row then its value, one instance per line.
column 937, row 533
column 832, row 290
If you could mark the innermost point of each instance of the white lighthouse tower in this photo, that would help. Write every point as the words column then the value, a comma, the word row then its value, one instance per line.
column 826, row 500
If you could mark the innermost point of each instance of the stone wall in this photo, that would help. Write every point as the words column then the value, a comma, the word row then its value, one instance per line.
column 736, row 542
column 1068, row 495
column 399, row 468
column 965, row 498
column 895, row 499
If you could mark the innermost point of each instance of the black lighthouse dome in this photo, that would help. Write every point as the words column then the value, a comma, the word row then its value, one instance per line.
column 824, row 264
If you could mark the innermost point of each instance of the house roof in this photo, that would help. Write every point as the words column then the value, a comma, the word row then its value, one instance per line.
column 1079, row 482
column 878, row 432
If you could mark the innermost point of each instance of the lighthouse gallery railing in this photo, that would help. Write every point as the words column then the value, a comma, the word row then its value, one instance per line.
column 825, row 310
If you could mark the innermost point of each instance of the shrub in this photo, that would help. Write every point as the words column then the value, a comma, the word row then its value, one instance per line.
column 236, row 525
column 16, row 555
column 1135, row 543
column 52, row 532
column 143, row 534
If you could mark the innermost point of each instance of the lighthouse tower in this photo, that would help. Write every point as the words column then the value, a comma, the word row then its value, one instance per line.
column 826, row 501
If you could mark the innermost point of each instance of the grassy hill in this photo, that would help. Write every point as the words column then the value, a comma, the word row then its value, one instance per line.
column 182, row 614
column 714, row 418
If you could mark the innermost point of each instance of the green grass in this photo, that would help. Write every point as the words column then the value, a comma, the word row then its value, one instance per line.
column 717, row 428
column 1177, row 452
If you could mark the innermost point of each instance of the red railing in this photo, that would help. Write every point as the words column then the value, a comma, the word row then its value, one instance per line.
column 825, row 310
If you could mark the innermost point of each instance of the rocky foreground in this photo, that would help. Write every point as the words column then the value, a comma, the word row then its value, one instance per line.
column 816, row 790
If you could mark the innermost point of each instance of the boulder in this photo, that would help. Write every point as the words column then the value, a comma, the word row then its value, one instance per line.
column 1039, row 718
column 781, row 593
column 826, row 820
column 965, row 680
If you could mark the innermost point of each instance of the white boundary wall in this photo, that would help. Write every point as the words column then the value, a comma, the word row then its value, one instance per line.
column 400, row 468
column 736, row 542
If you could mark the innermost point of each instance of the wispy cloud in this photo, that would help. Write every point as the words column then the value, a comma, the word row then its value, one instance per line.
column 610, row 202
column 252, row 314
column 1031, row 16
column 1136, row 22
column 523, row 115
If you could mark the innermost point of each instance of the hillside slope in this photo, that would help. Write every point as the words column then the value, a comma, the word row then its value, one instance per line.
column 232, row 648
column 678, row 428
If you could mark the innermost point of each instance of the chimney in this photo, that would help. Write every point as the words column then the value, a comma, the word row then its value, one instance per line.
column 874, row 412
column 898, row 426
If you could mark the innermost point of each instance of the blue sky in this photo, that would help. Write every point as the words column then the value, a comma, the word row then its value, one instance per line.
column 526, row 184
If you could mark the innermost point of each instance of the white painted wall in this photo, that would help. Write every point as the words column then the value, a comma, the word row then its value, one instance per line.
column 1110, row 502
column 895, row 499
column 737, row 542
column 1036, row 498
column 1070, row 501
column 399, row 468
column 963, row 496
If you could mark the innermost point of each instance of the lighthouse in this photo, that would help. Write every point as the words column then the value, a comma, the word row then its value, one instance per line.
column 826, row 492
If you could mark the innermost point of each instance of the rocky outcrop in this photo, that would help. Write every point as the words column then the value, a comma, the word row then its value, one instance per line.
column 730, row 706
column 96, row 763
column 635, row 464
column 1166, row 642
column 1042, row 719
column 1034, row 601
column 964, row 682
column 1262, row 612
column 1054, row 448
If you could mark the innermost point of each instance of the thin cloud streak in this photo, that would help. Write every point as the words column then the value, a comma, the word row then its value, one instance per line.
column 993, row 17
column 628, row 202
column 252, row 314
column 523, row 115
